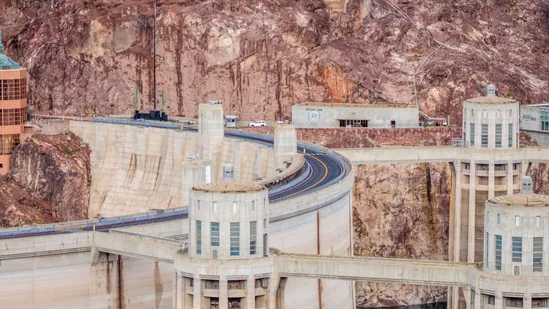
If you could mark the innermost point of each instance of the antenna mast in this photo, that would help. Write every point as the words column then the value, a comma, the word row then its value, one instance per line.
column 154, row 58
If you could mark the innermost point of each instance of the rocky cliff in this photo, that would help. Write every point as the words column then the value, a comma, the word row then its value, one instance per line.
column 260, row 57
column 49, row 181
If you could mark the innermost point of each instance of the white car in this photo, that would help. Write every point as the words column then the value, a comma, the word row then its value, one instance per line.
column 258, row 123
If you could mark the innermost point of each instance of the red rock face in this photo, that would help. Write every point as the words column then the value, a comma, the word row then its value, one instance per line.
column 50, row 176
column 364, row 137
column 260, row 57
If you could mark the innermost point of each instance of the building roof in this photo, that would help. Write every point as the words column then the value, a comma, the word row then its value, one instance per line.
column 491, row 100
column 370, row 105
column 229, row 187
column 521, row 199
column 5, row 62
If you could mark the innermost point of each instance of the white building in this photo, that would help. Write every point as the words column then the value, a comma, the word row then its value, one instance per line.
column 534, row 120
column 338, row 115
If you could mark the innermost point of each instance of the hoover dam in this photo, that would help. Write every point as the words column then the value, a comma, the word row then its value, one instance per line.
column 139, row 168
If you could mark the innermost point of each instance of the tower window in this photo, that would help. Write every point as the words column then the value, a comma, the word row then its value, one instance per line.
column 472, row 134
column 253, row 236
column 538, row 221
column 214, row 232
column 214, row 206
column 538, row 254
column 517, row 221
column 517, row 249
column 498, row 135
column 499, row 218
column 487, row 249
column 499, row 244
column 510, row 135
column 484, row 137
column 198, row 237
column 235, row 238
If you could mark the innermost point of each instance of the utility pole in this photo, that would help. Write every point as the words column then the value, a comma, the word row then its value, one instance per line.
column 154, row 58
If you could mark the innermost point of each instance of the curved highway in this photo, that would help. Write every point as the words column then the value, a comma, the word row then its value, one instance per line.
column 323, row 168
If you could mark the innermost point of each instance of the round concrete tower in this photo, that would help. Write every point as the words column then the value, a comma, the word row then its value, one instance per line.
column 516, row 268
column 228, row 220
column 491, row 121
column 516, row 229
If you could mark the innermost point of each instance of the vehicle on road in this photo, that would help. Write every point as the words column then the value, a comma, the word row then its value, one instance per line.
column 258, row 123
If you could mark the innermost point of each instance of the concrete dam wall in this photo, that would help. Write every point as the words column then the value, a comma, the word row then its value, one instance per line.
column 135, row 169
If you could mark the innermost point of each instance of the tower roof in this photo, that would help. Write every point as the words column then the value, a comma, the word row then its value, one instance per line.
column 6, row 63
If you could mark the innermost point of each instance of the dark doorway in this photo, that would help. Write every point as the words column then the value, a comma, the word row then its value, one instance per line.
column 393, row 124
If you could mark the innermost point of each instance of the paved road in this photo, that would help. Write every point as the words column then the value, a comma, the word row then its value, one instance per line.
column 324, row 168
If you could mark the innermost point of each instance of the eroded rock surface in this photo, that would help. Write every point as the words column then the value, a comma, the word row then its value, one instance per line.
column 49, row 181
column 260, row 57
column 401, row 211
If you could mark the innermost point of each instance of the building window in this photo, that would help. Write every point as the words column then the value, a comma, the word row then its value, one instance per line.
column 253, row 236
column 497, row 114
column 214, row 206
column 498, row 252
column 13, row 116
column 487, row 247
column 538, row 221
column 198, row 205
column 510, row 135
column 491, row 299
column 8, row 142
column 214, row 232
column 538, row 255
column 198, row 237
column 498, row 135
column 13, row 89
column 235, row 207
column 510, row 113
column 235, row 238
column 517, row 221
column 472, row 134
column 393, row 124
column 544, row 120
column 253, row 206
column 484, row 133
column 499, row 218
column 517, row 249
column 485, row 114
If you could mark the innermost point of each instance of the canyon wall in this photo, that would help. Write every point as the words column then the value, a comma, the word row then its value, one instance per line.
column 260, row 57
column 49, row 181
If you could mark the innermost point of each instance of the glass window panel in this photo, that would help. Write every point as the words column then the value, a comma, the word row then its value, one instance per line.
column 198, row 237
column 517, row 249
column 538, row 254
column 472, row 133
column 235, row 238
column 498, row 135
column 214, row 232
column 499, row 244
column 253, row 233
column 484, row 135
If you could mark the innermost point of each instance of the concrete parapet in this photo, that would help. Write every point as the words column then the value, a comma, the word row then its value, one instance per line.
column 312, row 201
column 382, row 155
column 135, row 245
column 16, row 248
column 409, row 271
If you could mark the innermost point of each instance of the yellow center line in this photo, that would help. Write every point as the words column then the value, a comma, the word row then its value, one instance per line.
column 324, row 177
